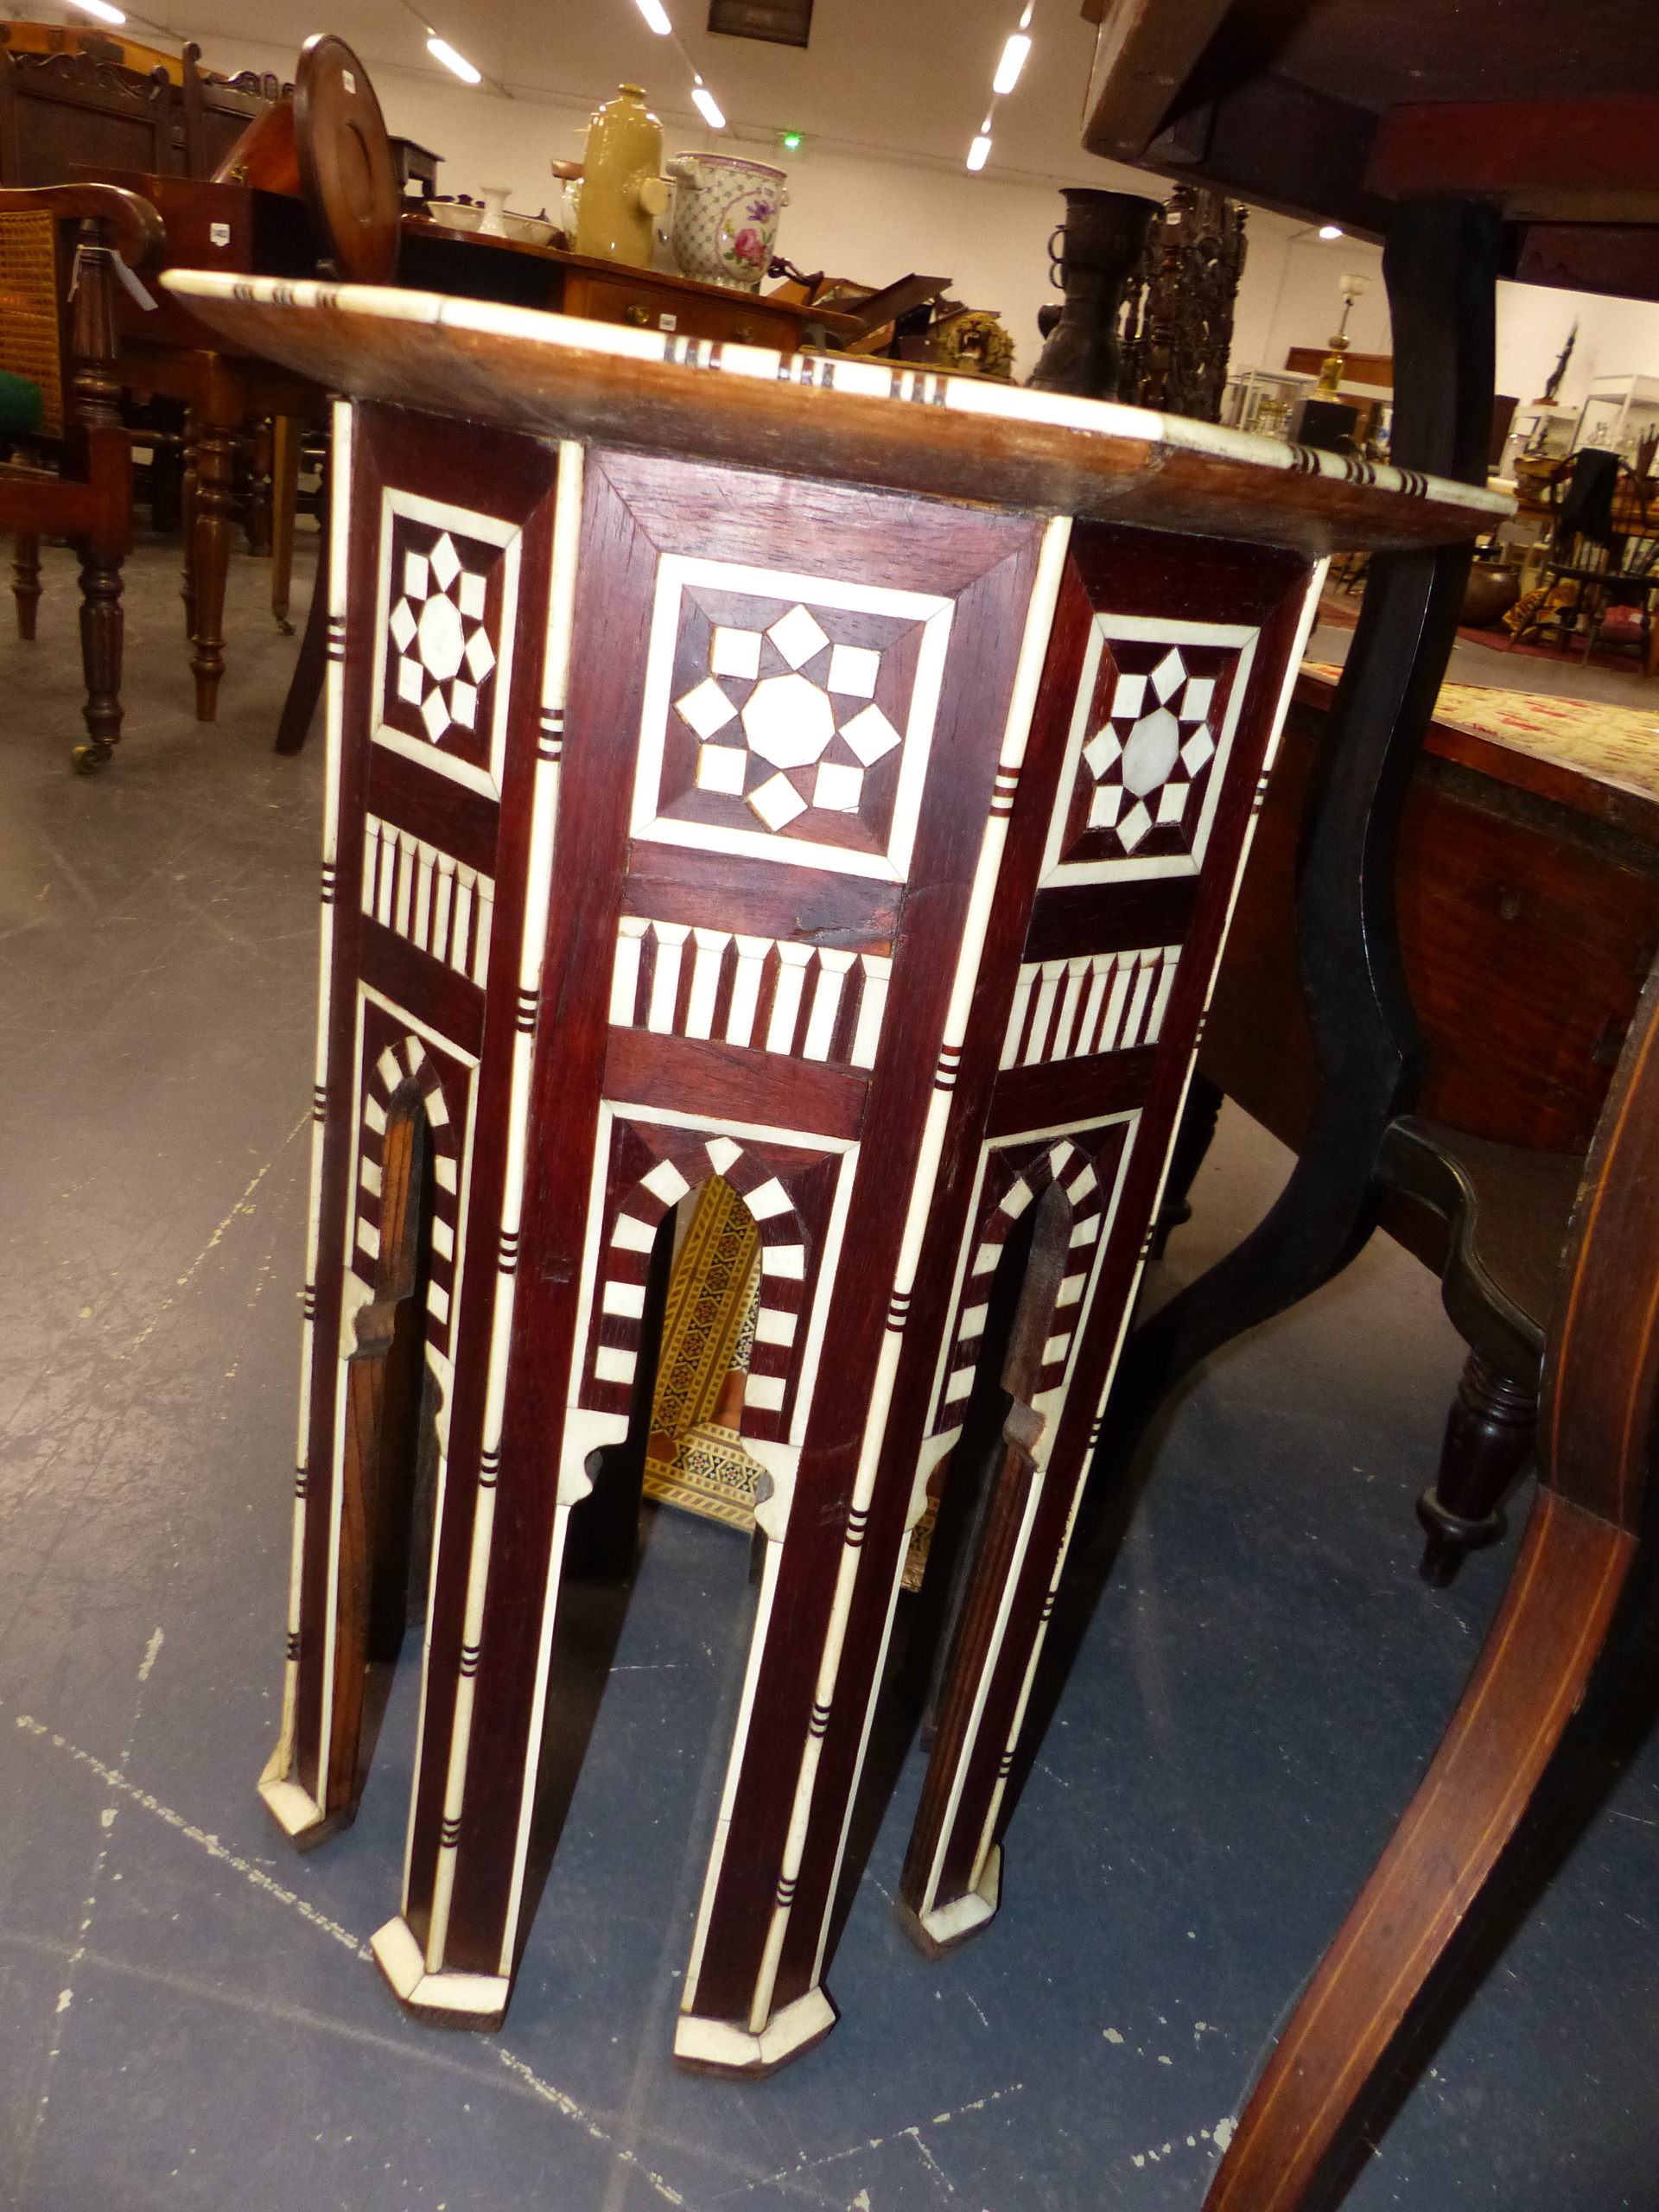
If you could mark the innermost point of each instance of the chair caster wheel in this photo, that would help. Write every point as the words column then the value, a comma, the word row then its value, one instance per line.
column 87, row 760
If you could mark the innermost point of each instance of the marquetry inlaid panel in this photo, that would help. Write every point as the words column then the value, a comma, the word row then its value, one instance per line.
column 448, row 591
column 1089, row 1163
column 788, row 716
column 1092, row 1002
column 802, row 1001
column 1156, row 708
column 394, row 1047
column 439, row 904
column 795, row 1196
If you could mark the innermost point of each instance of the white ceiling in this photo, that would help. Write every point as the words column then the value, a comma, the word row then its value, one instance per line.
column 908, row 79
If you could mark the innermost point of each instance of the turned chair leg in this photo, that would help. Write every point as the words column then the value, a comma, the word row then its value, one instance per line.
column 102, row 632
column 1489, row 1433
column 26, row 581
column 210, row 553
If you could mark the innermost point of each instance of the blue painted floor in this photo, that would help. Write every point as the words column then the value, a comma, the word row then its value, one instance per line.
column 188, row 2014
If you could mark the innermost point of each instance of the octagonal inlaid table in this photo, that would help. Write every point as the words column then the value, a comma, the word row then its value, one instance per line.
column 825, row 775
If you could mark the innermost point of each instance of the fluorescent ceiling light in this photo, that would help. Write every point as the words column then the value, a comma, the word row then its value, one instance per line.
column 440, row 50
column 1012, row 61
column 1330, row 230
column 102, row 10
column 979, row 152
column 656, row 15
column 707, row 107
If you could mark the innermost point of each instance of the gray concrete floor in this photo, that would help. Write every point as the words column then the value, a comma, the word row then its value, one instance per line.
column 189, row 2012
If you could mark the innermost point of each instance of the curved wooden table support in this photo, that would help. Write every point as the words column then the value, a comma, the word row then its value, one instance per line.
column 1541, row 1659
column 1441, row 267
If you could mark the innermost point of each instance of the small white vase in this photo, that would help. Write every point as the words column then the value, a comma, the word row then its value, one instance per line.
column 494, row 197
column 726, row 215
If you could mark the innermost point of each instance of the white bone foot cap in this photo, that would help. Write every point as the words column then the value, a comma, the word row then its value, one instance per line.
column 447, row 1999
column 946, row 1925
column 721, row 2047
column 295, row 1810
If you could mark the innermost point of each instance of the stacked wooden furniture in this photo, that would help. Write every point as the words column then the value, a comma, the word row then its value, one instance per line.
column 1499, row 140
column 74, row 101
column 789, row 822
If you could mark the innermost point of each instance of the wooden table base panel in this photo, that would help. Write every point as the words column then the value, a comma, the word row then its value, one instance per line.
column 979, row 956
column 864, row 849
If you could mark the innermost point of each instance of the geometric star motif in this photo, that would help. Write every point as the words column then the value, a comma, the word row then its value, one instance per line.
column 443, row 652
column 1146, row 755
column 817, row 732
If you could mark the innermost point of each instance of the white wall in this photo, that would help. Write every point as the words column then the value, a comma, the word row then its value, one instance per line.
column 1290, row 298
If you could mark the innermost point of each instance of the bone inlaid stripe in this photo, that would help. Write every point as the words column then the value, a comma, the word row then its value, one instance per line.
column 803, row 1001
column 1093, row 1003
column 438, row 904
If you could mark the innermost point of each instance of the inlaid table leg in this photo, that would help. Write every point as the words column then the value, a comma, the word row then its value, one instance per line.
column 1089, row 1030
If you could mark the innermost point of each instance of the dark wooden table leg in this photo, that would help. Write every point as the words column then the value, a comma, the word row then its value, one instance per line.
column 305, row 687
column 287, row 434
column 26, row 581
column 1440, row 265
column 187, row 525
column 210, row 547
column 258, row 520
column 1489, row 1433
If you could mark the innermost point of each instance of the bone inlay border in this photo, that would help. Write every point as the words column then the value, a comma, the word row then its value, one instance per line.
column 439, row 904
column 1092, row 1002
column 806, row 1002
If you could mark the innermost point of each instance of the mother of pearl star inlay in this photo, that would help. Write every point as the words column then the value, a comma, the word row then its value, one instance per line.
column 437, row 626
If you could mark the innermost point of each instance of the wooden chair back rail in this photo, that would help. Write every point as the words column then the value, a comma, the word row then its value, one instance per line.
column 1570, row 1580
column 60, row 109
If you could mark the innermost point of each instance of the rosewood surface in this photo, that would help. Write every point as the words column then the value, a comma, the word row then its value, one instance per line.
column 870, row 850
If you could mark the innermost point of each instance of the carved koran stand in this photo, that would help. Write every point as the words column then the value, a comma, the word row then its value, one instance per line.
column 830, row 778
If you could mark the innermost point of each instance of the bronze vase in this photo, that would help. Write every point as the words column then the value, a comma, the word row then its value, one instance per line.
column 1104, row 236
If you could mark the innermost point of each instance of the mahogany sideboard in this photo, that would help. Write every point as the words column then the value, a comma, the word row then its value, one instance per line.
column 1528, row 905
column 825, row 775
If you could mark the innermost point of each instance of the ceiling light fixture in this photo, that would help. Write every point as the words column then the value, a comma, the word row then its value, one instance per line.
column 979, row 152
column 102, row 10
column 1330, row 230
column 707, row 107
column 656, row 15
column 1012, row 61
column 440, row 50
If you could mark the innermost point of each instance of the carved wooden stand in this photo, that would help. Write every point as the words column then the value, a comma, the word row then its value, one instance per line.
column 870, row 851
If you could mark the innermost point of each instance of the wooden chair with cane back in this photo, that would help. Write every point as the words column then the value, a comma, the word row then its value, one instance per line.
column 58, row 248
